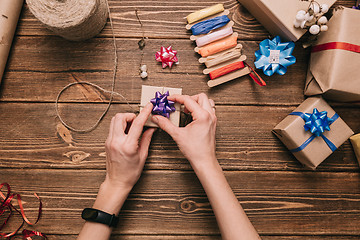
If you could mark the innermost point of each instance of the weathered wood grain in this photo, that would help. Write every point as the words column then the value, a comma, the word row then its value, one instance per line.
column 28, row 139
column 40, row 67
column 172, row 202
column 161, row 19
column 202, row 237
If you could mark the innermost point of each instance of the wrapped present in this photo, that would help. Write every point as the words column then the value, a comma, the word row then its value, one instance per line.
column 313, row 131
column 277, row 16
column 161, row 105
column 9, row 15
column 355, row 142
column 335, row 59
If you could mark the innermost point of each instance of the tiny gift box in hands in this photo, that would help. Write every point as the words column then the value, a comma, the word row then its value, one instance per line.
column 313, row 131
column 150, row 92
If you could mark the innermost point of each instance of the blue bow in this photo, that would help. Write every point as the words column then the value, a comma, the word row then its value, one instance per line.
column 162, row 106
column 265, row 59
column 317, row 123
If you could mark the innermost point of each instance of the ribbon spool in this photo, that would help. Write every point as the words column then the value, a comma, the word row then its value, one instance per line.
column 75, row 20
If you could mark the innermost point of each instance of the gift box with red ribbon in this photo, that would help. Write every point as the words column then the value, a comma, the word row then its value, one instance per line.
column 313, row 131
column 335, row 59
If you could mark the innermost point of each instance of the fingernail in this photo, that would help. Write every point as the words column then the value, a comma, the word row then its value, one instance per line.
column 155, row 119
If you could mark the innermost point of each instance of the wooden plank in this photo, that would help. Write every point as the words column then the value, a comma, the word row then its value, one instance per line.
column 40, row 67
column 172, row 202
column 28, row 139
column 162, row 19
column 201, row 237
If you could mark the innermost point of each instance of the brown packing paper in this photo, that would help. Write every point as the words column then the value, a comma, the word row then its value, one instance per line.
column 292, row 133
column 148, row 92
column 9, row 15
column 335, row 73
column 355, row 142
column 278, row 16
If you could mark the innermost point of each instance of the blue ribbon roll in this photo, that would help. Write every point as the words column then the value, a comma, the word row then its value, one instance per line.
column 274, row 56
column 316, row 123
column 210, row 24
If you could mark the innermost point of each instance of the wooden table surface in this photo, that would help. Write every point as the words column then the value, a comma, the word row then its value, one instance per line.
column 282, row 198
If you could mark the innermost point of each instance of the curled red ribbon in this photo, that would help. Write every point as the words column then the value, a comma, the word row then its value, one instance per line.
column 336, row 45
column 6, row 205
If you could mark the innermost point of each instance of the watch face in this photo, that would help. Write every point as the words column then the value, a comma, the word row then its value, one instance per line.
column 89, row 213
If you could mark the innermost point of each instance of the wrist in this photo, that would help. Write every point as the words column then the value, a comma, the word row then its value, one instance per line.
column 110, row 198
column 206, row 164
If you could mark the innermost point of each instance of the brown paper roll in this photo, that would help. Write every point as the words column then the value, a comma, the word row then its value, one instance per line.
column 9, row 15
column 75, row 20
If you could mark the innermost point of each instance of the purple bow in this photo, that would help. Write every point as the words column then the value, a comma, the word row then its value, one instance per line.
column 162, row 106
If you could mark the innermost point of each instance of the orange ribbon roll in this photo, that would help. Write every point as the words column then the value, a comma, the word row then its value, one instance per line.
column 219, row 46
column 226, row 69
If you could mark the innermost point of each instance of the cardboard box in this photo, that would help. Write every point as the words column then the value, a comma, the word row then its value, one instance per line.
column 148, row 93
column 292, row 133
column 9, row 15
column 335, row 72
column 278, row 16
column 355, row 141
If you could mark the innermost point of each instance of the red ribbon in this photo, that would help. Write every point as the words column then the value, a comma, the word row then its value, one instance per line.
column 6, row 205
column 226, row 69
column 336, row 45
column 256, row 77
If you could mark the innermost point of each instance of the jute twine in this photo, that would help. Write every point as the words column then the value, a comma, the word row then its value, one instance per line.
column 112, row 93
column 74, row 20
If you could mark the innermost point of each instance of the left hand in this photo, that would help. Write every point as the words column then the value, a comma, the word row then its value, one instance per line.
column 125, row 155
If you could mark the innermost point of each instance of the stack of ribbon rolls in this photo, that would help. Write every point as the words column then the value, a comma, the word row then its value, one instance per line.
column 217, row 44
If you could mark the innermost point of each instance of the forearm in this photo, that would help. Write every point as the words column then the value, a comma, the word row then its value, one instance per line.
column 232, row 220
column 109, row 200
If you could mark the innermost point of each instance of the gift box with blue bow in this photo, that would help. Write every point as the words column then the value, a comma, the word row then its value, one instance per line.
column 313, row 131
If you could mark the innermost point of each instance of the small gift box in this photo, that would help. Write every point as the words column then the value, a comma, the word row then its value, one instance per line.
column 278, row 16
column 335, row 59
column 161, row 106
column 313, row 131
column 355, row 142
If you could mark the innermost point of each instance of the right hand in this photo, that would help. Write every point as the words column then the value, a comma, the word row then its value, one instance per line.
column 197, row 140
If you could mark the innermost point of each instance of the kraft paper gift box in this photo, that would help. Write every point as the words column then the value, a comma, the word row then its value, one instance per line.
column 335, row 72
column 308, row 148
column 355, row 142
column 278, row 16
column 148, row 93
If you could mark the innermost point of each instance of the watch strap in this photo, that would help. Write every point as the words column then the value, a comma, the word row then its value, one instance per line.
column 95, row 215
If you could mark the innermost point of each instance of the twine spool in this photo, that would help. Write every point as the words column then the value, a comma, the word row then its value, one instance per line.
column 75, row 20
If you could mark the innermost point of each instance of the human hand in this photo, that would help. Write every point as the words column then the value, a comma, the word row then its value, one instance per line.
column 197, row 140
column 125, row 155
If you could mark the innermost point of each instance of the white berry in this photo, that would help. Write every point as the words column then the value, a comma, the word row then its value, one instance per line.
column 297, row 24
column 300, row 17
column 315, row 7
column 301, row 12
column 324, row 28
column 302, row 24
column 324, row 8
column 143, row 68
column 322, row 20
column 314, row 29
column 143, row 75
column 309, row 17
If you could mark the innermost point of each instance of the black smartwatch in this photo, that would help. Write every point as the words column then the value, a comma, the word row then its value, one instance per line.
column 94, row 215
